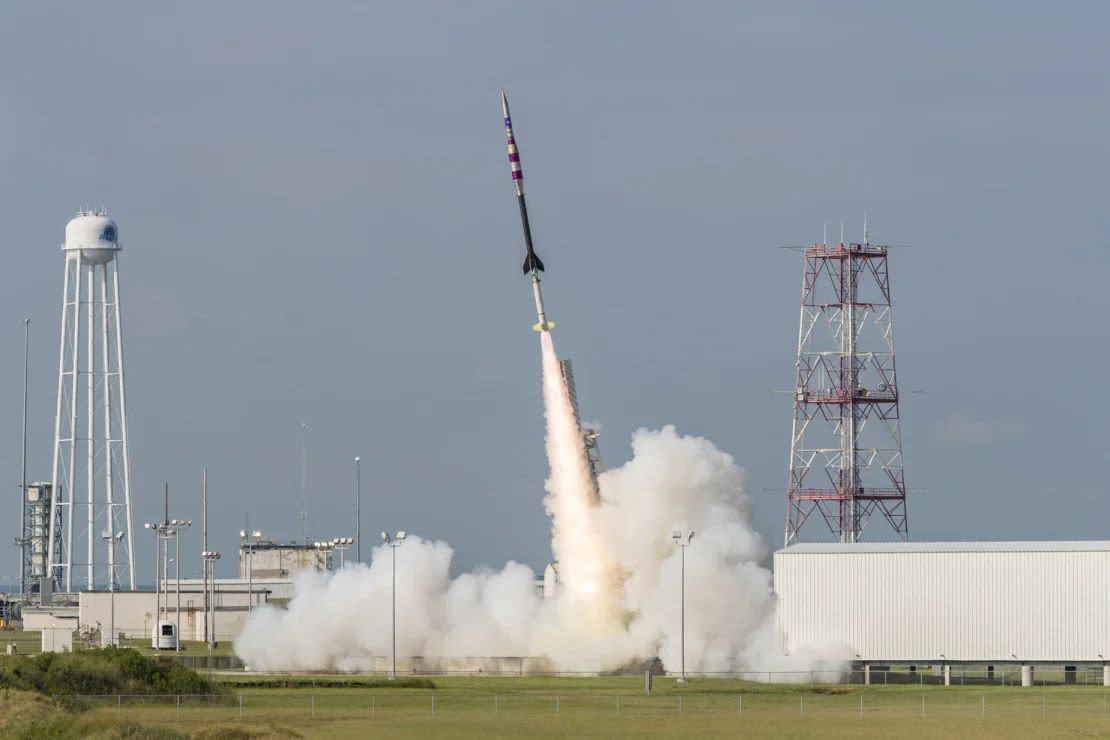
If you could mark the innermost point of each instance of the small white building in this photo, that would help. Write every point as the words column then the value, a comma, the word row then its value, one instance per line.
column 950, row 602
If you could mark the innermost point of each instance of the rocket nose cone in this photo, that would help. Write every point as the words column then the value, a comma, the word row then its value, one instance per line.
column 504, row 103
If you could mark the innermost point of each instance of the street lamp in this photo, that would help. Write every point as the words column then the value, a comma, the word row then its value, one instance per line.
column 394, row 542
column 342, row 544
column 358, row 509
column 210, row 558
column 249, row 540
column 164, row 530
column 178, row 525
column 112, row 540
column 682, row 540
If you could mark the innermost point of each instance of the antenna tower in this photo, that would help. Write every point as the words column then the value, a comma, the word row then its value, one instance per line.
column 846, row 441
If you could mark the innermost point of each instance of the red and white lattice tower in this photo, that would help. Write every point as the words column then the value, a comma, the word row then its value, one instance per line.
column 846, row 442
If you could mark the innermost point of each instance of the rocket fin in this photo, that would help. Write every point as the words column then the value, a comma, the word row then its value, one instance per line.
column 532, row 262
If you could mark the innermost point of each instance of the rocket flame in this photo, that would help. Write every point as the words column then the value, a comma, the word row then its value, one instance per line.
column 590, row 580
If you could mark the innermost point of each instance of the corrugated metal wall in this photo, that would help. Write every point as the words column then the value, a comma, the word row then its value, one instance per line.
column 966, row 606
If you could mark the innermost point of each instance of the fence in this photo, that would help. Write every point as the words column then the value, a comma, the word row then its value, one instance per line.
column 277, row 705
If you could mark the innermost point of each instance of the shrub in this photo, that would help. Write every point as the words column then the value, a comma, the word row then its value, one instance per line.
column 108, row 671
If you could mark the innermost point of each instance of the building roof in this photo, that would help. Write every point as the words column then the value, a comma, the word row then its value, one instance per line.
column 837, row 548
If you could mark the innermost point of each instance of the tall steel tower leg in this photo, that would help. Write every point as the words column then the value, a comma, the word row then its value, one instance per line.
column 109, row 493
column 124, row 443
column 56, row 500
column 90, row 425
column 71, row 479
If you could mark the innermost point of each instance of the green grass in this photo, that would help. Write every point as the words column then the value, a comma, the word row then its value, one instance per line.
column 467, row 707
column 188, row 647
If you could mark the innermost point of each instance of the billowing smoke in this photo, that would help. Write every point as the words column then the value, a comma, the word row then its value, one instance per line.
column 619, row 570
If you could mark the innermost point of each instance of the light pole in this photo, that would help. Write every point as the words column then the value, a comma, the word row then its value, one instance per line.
column 342, row 544
column 249, row 540
column 210, row 558
column 358, row 509
column 153, row 527
column 163, row 531
column 178, row 525
column 112, row 540
column 683, row 540
column 394, row 542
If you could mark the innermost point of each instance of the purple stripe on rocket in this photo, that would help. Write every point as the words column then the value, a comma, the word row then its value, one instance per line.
column 514, row 157
column 518, row 175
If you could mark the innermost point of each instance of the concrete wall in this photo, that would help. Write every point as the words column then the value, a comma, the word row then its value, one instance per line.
column 275, row 561
column 49, row 618
column 981, row 602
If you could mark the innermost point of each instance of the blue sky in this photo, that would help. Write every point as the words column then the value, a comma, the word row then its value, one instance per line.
column 319, row 225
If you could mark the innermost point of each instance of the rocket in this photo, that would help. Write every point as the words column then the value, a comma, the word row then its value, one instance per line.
column 533, row 265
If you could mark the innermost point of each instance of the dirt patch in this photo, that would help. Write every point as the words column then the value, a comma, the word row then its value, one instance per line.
column 248, row 732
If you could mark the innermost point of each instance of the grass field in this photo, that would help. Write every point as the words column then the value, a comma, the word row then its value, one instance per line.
column 616, row 707
column 26, row 642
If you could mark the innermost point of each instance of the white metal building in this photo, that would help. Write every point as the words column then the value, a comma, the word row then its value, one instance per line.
column 933, row 602
column 135, row 610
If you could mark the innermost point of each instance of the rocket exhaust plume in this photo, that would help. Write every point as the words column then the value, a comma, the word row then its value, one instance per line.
column 590, row 579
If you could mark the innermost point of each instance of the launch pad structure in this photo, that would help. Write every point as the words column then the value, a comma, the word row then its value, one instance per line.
column 846, row 440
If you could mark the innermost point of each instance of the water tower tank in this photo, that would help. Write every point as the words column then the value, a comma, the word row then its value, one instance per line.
column 92, row 235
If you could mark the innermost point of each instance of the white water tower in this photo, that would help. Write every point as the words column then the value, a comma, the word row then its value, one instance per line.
column 92, row 468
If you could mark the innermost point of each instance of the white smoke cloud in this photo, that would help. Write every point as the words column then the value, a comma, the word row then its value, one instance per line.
column 618, row 602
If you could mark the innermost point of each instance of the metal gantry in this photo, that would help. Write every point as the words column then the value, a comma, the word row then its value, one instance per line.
column 846, row 440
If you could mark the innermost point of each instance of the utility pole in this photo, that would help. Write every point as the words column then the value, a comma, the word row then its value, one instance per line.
column 358, row 509
column 304, row 484
column 204, row 536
